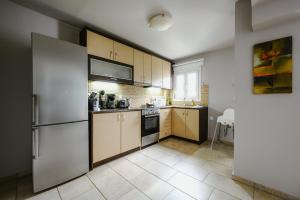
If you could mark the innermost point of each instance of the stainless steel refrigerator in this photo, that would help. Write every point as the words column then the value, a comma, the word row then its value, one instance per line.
column 60, row 111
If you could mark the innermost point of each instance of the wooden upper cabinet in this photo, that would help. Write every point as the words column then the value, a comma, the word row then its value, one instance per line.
column 192, row 124
column 138, row 58
column 157, row 71
column 165, row 122
column 99, row 45
column 106, row 136
column 130, row 130
column 147, row 68
column 178, row 122
column 166, row 75
column 123, row 53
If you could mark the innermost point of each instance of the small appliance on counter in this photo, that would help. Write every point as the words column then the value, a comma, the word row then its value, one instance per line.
column 102, row 99
column 123, row 103
column 93, row 102
column 110, row 103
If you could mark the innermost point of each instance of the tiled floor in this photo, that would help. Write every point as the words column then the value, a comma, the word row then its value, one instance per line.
column 171, row 170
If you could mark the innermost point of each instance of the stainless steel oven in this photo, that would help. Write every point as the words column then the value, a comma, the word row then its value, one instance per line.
column 150, row 126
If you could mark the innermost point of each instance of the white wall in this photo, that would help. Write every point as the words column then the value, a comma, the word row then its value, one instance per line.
column 267, row 142
column 17, row 23
column 270, row 13
column 218, row 74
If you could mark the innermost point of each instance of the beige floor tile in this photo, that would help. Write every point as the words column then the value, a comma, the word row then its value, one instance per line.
column 158, row 169
column 152, row 186
column 219, row 195
column 178, row 195
column 229, row 186
column 165, row 149
column 138, row 158
column 134, row 195
column 126, row 168
column 152, row 153
column 75, row 188
column 169, row 160
column 110, row 184
column 191, row 186
column 194, row 160
column 217, row 168
column 261, row 195
column 48, row 195
column 192, row 170
column 93, row 194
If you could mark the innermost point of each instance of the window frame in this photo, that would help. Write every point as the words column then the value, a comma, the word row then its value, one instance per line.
column 185, row 69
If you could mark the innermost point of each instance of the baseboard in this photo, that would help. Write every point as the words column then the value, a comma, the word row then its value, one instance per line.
column 265, row 188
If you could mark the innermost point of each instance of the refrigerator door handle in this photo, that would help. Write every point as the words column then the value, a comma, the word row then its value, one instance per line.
column 35, row 142
column 35, row 110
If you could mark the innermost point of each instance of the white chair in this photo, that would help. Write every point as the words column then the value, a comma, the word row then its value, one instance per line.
column 227, row 119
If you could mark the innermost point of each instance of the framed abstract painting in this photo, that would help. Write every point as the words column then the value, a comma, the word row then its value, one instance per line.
column 273, row 66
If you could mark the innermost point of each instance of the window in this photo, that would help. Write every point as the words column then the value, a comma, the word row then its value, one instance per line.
column 187, row 81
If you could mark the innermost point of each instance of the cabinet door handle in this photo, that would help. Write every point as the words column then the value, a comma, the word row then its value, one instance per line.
column 35, row 142
column 119, row 117
column 110, row 54
column 115, row 55
column 123, row 116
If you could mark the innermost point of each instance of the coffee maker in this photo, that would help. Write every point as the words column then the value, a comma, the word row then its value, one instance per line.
column 110, row 102
column 93, row 102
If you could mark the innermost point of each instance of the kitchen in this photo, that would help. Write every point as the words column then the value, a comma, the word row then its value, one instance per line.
column 113, row 105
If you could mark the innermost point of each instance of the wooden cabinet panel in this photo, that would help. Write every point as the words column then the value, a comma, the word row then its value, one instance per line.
column 138, row 64
column 99, row 45
column 156, row 71
column 130, row 130
column 165, row 123
column 123, row 53
column 192, row 124
column 106, row 136
column 147, row 68
column 166, row 75
column 178, row 122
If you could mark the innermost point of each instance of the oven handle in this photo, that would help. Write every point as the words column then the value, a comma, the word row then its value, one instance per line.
column 151, row 116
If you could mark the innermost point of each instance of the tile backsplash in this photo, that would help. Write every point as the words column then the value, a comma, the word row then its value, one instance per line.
column 139, row 95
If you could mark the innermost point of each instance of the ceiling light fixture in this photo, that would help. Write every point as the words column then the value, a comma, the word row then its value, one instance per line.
column 160, row 22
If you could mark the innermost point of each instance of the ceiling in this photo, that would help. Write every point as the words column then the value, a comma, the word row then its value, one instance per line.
column 198, row 25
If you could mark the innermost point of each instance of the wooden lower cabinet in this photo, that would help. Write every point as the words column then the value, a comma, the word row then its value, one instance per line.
column 130, row 130
column 192, row 124
column 165, row 122
column 114, row 133
column 106, row 136
column 178, row 122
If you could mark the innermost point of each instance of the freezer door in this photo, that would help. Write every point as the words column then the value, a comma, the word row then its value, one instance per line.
column 60, row 154
column 60, row 77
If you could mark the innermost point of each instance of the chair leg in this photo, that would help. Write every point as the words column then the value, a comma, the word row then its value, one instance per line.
column 212, row 142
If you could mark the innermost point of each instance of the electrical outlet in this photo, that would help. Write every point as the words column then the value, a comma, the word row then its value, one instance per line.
column 211, row 118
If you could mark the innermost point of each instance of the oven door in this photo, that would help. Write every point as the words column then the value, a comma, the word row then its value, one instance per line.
column 150, row 124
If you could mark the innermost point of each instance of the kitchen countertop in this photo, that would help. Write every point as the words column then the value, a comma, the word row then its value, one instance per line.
column 183, row 107
column 115, row 110
column 139, row 109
